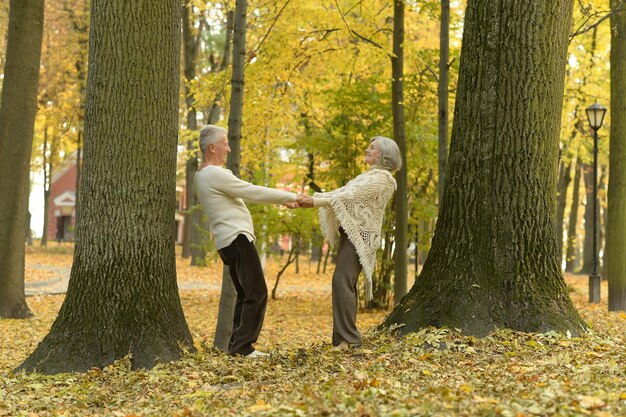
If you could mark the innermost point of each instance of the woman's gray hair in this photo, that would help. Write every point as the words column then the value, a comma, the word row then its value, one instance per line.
column 390, row 158
column 210, row 134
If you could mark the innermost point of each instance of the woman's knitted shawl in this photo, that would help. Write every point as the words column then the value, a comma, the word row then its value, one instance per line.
column 359, row 207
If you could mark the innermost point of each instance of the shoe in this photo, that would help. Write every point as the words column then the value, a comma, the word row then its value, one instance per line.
column 256, row 354
column 345, row 346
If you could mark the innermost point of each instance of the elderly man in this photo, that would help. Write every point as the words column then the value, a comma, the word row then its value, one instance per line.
column 222, row 196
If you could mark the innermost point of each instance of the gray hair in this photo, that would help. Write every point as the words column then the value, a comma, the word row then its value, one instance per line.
column 390, row 158
column 210, row 134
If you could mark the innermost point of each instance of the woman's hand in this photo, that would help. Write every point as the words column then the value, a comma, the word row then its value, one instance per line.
column 304, row 201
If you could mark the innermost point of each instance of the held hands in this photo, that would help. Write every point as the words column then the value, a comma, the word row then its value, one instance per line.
column 302, row 201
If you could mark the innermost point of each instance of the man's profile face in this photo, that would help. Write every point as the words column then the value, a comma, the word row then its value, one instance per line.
column 221, row 149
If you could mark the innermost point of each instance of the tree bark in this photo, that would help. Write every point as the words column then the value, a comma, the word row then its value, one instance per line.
column 122, row 296
column 494, row 258
column 442, row 94
column 564, row 180
column 616, row 222
column 397, row 103
column 572, row 254
column 226, row 310
column 18, row 107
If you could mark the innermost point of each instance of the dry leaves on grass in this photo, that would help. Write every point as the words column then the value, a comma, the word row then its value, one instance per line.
column 436, row 372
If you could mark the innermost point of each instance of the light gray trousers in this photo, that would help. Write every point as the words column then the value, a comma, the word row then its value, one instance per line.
column 344, row 293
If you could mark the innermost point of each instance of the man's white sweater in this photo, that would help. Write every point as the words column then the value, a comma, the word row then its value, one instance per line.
column 222, row 196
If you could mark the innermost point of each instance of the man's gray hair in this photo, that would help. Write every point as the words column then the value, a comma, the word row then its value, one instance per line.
column 210, row 134
column 390, row 158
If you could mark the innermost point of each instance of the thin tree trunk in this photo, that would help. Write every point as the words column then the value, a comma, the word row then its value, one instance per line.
column 397, row 100
column 18, row 107
column 191, row 166
column 602, row 191
column 47, row 169
column 564, row 180
column 122, row 296
column 213, row 115
column 80, row 24
column 293, row 254
column 494, row 258
column 572, row 258
column 442, row 94
column 616, row 222
column 225, row 326
column 79, row 148
column 328, row 252
column 588, row 242
column 194, row 218
column 225, row 312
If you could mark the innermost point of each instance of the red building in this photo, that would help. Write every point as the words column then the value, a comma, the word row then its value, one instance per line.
column 62, row 209
column 62, row 203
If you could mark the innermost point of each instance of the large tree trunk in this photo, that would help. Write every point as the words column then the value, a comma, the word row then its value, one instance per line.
column 616, row 222
column 494, row 258
column 397, row 103
column 18, row 107
column 442, row 94
column 122, row 296
column 227, row 309
column 572, row 253
column 564, row 179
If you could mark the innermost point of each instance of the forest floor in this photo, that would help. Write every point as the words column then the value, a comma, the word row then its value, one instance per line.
column 506, row 374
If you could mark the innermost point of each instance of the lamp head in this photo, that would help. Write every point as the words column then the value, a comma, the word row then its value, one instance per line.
column 595, row 115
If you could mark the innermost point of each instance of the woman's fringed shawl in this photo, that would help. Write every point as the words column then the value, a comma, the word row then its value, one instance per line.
column 359, row 207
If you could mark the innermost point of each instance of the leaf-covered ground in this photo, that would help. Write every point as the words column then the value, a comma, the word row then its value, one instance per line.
column 505, row 374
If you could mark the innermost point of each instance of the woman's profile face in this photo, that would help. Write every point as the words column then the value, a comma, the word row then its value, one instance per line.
column 372, row 153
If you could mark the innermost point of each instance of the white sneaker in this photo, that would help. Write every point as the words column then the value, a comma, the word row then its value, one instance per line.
column 256, row 354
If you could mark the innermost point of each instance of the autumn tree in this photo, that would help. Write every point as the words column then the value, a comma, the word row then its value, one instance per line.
column 616, row 227
column 18, row 107
column 494, row 258
column 122, row 296
column 228, row 295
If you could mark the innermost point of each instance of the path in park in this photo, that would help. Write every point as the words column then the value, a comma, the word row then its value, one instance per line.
column 58, row 284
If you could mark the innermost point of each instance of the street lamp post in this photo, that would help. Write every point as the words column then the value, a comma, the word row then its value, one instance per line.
column 595, row 114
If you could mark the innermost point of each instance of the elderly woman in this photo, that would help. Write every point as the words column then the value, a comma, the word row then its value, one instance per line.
column 356, row 211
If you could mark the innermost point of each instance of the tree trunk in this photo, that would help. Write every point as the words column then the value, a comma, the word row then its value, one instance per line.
column 122, row 296
column 18, row 107
column 494, row 258
column 80, row 24
column 226, row 310
column 572, row 257
column 442, row 93
column 588, row 242
column 564, row 179
column 47, row 170
column 194, row 219
column 397, row 103
column 602, row 191
column 616, row 222
column 225, row 313
column 189, row 65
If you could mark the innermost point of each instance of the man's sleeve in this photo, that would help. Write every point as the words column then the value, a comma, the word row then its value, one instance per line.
column 229, row 184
